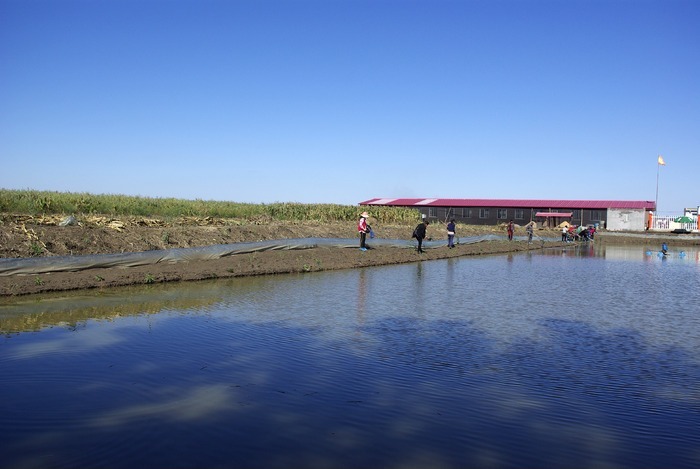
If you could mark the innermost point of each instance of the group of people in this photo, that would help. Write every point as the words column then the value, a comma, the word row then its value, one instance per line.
column 419, row 233
column 572, row 233
column 529, row 229
column 568, row 233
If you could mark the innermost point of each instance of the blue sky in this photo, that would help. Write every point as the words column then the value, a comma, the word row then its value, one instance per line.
column 340, row 101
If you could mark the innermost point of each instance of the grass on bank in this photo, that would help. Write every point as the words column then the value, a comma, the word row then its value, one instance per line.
column 31, row 202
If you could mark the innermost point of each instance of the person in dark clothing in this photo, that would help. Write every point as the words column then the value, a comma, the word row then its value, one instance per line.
column 419, row 233
column 451, row 234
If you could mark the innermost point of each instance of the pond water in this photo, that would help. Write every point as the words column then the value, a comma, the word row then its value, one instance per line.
column 578, row 357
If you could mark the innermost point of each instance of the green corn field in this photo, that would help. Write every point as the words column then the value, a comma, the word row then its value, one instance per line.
column 32, row 202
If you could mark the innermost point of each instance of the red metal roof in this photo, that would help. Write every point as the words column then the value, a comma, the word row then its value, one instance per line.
column 517, row 203
column 554, row 214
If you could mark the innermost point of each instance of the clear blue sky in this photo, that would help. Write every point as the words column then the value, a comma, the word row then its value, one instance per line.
column 339, row 101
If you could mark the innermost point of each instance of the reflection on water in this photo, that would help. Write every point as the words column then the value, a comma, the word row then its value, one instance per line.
column 576, row 357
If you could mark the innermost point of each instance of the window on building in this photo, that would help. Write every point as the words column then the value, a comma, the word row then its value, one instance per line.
column 483, row 213
column 502, row 213
column 519, row 214
column 432, row 212
column 595, row 215
column 466, row 213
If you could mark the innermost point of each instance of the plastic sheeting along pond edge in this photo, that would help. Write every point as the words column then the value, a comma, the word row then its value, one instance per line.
column 41, row 265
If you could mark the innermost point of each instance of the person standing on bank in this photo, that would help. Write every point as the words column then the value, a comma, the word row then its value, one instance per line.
column 510, row 230
column 451, row 234
column 420, row 232
column 529, row 230
column 363, row 228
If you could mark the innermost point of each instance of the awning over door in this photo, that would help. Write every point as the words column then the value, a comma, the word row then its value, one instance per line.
column 554, row 214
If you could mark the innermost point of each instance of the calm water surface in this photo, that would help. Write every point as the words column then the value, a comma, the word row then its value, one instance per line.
column 565, row 358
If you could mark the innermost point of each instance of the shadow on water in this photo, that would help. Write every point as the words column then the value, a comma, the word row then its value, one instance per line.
column 283, row 373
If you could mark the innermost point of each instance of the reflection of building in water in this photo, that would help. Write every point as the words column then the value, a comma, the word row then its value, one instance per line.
column 625, row 252
column 646, row 253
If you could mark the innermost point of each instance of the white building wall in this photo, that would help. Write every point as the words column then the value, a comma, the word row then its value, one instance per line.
column 623, row 219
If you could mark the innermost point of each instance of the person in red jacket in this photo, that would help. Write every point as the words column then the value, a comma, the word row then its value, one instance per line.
column 510, row 230
column 363, row 228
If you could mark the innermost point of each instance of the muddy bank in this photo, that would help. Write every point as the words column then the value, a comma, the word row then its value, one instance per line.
column 259, row 263
column 23, row 236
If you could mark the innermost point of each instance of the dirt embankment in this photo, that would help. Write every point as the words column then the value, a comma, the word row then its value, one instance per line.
column 25, row 236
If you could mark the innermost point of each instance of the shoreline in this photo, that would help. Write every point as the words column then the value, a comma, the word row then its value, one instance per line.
column 301, row 261
column 87, row 240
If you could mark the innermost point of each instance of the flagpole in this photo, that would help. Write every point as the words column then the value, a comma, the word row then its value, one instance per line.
column 659, row 163
column 656, row 200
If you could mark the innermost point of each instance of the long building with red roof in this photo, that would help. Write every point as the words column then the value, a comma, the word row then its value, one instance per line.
column 610, row 214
